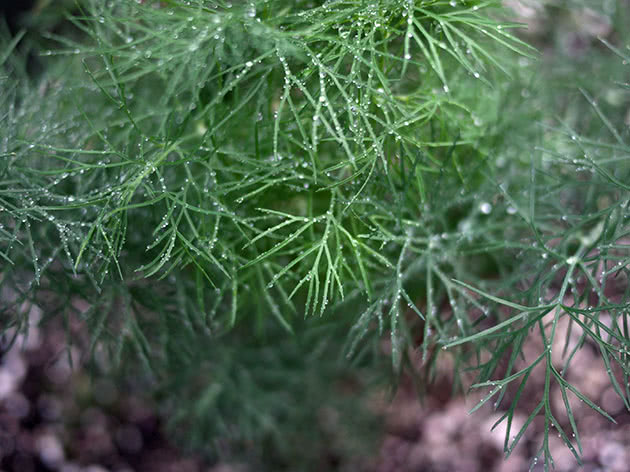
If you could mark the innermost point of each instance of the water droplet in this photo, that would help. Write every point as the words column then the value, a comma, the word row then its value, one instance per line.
column 485, row 208
column 572, row 260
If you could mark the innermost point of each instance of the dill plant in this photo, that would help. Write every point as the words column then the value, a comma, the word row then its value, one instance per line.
column 253, row 195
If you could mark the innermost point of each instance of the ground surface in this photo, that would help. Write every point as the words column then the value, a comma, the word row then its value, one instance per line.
column 55, row 416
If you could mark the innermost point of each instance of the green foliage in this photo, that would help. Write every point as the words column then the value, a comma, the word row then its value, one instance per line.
column 251, row 195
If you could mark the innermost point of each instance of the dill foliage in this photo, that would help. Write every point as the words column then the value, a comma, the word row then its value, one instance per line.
column 253, row 195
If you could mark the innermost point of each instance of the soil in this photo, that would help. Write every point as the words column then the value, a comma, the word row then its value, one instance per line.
column 56, row 416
